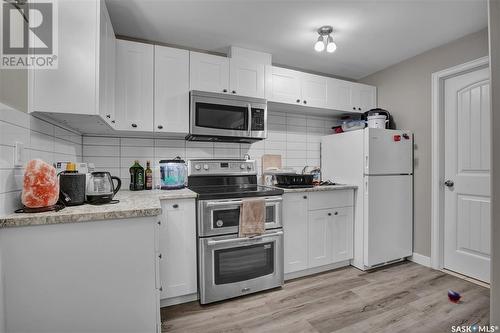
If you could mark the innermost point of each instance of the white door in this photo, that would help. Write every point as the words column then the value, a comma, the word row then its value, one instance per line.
column 320, row 237
column 178, row 248
column 467, row 170
column 171, row 102
column 388, row 152
column 283, row 85
column 363, row 97
column 134, row 86
column 295, row 231
column 342, row 234
column 107, row 67
column 209, row 72
column 339, row 95
column 314, row 90
column 246, row 78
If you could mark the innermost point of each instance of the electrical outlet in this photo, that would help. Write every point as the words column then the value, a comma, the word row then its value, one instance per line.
column 19, row 156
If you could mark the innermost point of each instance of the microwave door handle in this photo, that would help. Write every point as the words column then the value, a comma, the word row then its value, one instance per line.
column 243, row 239
column 249, row 120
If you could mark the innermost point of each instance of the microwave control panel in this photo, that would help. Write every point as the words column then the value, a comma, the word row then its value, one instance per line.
column 258, row 119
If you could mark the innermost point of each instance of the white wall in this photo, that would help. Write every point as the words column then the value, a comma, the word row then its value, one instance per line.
column 494, row 28
column 42, row 140
column 295, row 137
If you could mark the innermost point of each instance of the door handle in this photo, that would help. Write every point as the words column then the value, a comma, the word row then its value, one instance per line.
column 249, row 120
column 244, row 239
column 449, row 183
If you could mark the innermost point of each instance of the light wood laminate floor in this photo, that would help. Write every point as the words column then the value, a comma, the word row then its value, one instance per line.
column 404, row 297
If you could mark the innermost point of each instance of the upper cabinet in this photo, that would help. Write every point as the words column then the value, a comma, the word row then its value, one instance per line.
column 350, row 96
column 283, row 85
column 238, row 76
column 314, row 90
column 107, row 68
column 171, row 90
column 134, row 86
column 209, row 72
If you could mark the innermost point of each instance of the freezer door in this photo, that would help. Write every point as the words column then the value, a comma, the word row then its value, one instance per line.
column 388, row 219
column 388, row 152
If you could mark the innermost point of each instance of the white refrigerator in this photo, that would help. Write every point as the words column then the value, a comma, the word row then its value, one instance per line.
column 380, row 163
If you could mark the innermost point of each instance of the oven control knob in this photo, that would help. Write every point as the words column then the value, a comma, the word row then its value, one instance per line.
column 205, row 166
column 242, row 166
column 219, row 223
column 249, row 167
column 197, row 167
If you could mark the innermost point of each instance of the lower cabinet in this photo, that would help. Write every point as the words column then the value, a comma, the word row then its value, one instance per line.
column 178, row 273
column 318, row 229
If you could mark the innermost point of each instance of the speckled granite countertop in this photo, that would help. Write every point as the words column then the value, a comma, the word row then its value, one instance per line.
column 132, row 204
column 320, row 188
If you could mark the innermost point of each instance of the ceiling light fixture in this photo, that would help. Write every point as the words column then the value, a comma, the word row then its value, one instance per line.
column 325, row 38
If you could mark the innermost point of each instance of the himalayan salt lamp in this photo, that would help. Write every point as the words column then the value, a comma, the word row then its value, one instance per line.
column 41, row 185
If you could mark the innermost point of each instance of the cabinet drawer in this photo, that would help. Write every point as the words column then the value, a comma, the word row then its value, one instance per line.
column 330, row 199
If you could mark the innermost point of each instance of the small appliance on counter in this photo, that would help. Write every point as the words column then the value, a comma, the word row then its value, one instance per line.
column 378, row 118
column 173, row 174
column 72, row 186
column 269, row 175
column 315, row 171
column 294, row 181
column 101, row 188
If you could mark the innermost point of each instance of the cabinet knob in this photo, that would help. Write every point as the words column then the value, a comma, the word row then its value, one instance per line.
column 336, row 213
column 234, row 91
column 112, row 121
column 224, row 90
column 305, row 196
column 159, row 256
column 159, row 222
column 359, row 109
column 175, row 205
column 161, row 289
column 134, row 125
column 108, row 116
column 305, row 102
column 298, row 100
column 329, row 214
column 354, row 108
column 160, row 126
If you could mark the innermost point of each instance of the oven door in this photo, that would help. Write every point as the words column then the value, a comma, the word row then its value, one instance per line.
column 222, row 217
column 230, row 266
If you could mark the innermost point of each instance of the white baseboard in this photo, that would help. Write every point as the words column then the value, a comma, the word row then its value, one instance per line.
column 420, row 259
column 178, row 300
column 315, row 270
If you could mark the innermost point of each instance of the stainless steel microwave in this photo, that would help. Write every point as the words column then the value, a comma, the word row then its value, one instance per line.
column 226, row 118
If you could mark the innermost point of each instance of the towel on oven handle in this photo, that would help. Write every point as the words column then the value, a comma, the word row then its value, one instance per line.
column 252, row 217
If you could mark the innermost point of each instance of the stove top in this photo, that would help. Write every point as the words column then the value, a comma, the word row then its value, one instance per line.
column 234, row 191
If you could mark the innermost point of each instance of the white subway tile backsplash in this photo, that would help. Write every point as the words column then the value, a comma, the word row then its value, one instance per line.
column 93, row 151
column 14, row 117
column 41, row 126
column 11, row 179
column 127, row 151
column 104, row 161
column 171, row 143
column 6, row 158
column 10, row 134
column 227, row 153
column 42, row 142
column 9, row 202
column 47, row 156
column 137, row 142
column 167, row 153
column 100, row 141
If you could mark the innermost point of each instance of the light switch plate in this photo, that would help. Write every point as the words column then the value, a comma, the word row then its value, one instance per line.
column 19, row 159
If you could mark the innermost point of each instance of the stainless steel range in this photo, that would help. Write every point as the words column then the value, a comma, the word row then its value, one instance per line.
column 230, row 266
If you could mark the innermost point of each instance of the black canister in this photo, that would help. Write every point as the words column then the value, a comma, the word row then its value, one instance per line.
column 72, row 187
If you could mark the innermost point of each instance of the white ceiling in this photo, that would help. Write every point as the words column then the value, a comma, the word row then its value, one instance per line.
column 371, row 35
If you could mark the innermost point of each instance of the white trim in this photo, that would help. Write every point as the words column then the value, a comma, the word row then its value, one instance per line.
column 420, row 259
column 178, row 300
column 316, row 270
column 437, row 125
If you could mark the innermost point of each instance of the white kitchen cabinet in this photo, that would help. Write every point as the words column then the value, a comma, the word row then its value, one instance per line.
column 134, row 86
column 283, row 85
column 318, row 230
column 350, row 96
column 209, row 72
column 295, row 231
column 107, row 67
column 342, row 234
column 178, row 271
column 314, row 90
column 171, row 97
column 247, row 78
column 52, row 275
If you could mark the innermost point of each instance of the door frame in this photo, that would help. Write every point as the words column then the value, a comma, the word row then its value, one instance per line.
column 437, row 156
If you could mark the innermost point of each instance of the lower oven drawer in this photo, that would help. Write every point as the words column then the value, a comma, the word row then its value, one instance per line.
column 222, row 217
column 232, row 266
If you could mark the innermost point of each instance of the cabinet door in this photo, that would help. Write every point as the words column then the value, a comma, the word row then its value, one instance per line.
column 314, row 90
column 72, row 87
column 363, row 97
column 171, row 101
column 246, row 78
column 339, row 95
column 342, row 234
column 134, row 84
column 209, row 72
column 107, row 67
column 320, row 237
column 295, row 231
column 283, row 85
column 178, row 248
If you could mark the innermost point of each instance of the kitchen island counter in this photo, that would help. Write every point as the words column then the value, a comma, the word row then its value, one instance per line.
column 132, row 204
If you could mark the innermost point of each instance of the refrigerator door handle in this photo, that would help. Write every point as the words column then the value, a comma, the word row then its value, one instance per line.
column 366, row 162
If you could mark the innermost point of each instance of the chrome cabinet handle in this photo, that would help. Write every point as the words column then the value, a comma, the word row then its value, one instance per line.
column 449, row 183
column 249, row 120
column 243, row 239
